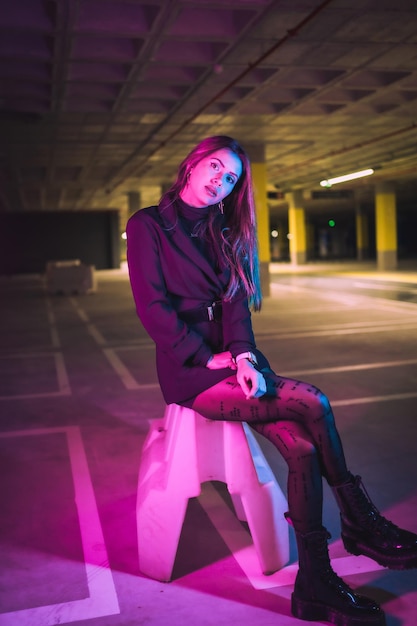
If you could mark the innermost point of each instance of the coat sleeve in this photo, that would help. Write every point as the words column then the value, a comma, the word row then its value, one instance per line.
column 151, row 295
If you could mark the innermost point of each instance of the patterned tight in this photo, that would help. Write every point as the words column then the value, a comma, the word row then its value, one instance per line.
column 297, row 418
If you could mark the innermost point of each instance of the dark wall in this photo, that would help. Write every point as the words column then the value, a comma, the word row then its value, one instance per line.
column 29, row 240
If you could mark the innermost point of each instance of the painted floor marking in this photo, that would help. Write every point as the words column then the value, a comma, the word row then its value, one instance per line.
column 121, row 370
column 64, row 388
column 372, row 399
column 131, row 383
column 402, row 325
column 357, row 302
column 352, row 368
column 234, row 535
column 116, row 363
column 96, row 335
column 61, row 370
column 346, row 299
column 102, row 600
column 384, row 287
column 358, row 367
column 91, row 328
column 142, row 344
column 56, row 342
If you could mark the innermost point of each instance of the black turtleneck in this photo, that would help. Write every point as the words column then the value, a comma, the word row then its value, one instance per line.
column 190, row 218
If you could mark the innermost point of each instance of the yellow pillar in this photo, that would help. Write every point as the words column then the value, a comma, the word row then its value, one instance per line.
column 362, row 234
column 386, row 226
column 297, row 228
column 259, row 177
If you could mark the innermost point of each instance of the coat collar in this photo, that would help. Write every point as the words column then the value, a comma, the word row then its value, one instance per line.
column 169, row 218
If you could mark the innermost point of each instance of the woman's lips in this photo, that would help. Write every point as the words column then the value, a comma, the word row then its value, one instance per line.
column 211, row 190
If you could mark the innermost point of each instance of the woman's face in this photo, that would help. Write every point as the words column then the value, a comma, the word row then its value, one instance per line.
column 212, row 179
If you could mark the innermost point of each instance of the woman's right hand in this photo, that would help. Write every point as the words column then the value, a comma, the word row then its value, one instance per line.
column 251, row 381
column 220, row 361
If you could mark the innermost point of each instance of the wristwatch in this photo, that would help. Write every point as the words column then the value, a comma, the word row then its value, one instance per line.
column 246, row 355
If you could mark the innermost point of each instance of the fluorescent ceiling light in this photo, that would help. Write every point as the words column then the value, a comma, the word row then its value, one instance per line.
column 343, row 179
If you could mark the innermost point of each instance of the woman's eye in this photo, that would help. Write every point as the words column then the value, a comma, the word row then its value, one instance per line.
column 214, row 165
column 230, row 180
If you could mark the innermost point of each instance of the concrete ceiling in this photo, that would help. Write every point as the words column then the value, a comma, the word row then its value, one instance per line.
column 102, row 97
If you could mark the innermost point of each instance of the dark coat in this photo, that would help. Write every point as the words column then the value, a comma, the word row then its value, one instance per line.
column 168, row 274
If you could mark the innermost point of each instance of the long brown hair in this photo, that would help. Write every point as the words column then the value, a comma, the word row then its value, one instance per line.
column 234, row 234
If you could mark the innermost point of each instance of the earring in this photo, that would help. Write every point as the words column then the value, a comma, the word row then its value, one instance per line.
column 221, row 207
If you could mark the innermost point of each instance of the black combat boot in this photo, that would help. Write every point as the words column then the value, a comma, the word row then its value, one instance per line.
column 366, row 531
column 320, row 595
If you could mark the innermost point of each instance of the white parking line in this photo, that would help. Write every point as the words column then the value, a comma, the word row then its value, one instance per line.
column 121, row 370
column 63, row 380
column 91, row 328
column 384, row 287
column 352, row 368
column 102, row 600
column 56, row 342
column 341, row 330
column 373, row 399
column 64, row 388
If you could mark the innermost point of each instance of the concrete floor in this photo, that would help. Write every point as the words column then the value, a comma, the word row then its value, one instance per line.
column 77, row 393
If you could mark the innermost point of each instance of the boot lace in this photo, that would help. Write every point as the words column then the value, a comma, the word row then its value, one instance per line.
column 321, row 553
column 368, row 511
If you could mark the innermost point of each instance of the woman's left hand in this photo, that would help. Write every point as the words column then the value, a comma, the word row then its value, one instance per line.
column 220, row 360
column 252, row 382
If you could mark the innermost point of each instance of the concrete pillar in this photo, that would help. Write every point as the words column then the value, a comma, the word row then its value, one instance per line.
column 297, row 228
column 259, row 176
column 386, row 226
column 362, row 234
column 150, row 195
column 165, row 186
column 133, row 202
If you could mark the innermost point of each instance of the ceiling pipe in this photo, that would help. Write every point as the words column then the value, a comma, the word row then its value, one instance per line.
column 345, row 150
column 292, row 32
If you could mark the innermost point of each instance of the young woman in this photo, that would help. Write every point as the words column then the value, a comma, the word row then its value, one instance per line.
column 194, row 274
